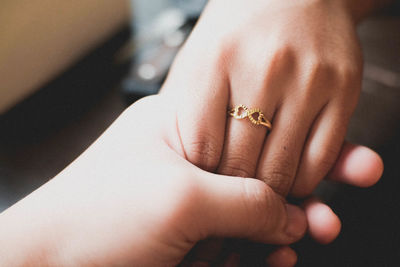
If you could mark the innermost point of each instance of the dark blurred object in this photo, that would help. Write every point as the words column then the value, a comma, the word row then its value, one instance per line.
column 65, row 98
column 393, row 9
column 155, row 46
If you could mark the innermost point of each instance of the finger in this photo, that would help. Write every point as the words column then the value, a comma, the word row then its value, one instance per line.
column 282, row 150
column 243, row 145
column 247, row 208
column 321, row 149
column 357, row 165
column 258, row 88
column 282, row 257
column 201, row 98
column 323, row 224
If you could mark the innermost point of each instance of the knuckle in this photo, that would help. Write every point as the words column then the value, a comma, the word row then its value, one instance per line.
column 267, row 64
column 204, row 151
column 282, row 55
column 280, row 181
column 318, row 68
column 342, row 78
column 280, row 174
column 313, row 64
column 238, row 166
column 282, row 58
column 226, row 47
column 350, row 71
column 348, row 74
column 315, row 76
column 349, row 78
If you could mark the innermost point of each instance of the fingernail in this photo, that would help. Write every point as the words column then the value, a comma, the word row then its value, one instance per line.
column 297, row 222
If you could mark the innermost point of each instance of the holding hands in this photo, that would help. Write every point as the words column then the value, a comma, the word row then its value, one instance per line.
column 132, row 200
column 299, row 62
column 168, row 173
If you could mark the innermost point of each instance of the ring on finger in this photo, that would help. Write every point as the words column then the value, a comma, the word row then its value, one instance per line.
column 255, row 115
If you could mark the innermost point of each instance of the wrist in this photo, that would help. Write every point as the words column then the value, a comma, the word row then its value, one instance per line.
column 32, row 230
column 24, row 242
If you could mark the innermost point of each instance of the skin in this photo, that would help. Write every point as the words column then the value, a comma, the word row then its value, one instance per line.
column 307, row 84
column 132, row 199
column 300, row 62
column 309, row 110
column 148, row 208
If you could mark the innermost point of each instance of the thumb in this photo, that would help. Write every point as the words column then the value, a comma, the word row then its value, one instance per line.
column 247, row 208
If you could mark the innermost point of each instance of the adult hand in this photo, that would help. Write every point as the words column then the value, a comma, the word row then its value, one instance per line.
column 301, row 64
column 298, row 61
column 132, row 200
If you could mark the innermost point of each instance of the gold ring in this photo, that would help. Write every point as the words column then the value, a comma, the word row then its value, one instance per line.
column 255, row 115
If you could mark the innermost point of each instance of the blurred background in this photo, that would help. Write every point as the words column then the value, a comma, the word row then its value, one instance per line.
column 49, row 128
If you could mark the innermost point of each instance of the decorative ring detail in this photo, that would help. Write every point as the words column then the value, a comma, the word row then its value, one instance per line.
column 255, row 115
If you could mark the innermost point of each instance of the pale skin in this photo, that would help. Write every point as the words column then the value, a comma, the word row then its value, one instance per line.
column 132, row 199
column 286, row 65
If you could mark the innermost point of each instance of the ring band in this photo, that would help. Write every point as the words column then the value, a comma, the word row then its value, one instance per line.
column 255, row 115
